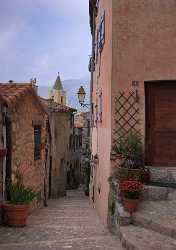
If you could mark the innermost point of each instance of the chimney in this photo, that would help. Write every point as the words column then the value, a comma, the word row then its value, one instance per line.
column 34, row 85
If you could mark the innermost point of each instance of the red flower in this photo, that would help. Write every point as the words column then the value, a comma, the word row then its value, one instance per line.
column 131, row 186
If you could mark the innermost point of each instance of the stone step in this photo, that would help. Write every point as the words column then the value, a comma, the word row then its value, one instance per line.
column 157, row 216
column 163, row 174
column 156, row 193
column 138, row 238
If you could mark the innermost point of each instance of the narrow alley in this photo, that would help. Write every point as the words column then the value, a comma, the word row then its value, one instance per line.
column 67, row 223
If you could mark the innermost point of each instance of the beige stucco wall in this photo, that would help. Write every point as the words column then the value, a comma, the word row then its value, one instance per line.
column 144, row 48
column 60, row 132
column 101, row 134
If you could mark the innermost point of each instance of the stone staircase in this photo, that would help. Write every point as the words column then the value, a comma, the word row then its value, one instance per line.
column 153, row 226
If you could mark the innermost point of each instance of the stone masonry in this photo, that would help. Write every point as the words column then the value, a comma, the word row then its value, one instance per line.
column 23, row 120
column 24, row 111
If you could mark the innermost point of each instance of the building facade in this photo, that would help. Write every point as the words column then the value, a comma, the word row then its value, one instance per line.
column 60, row 118
column 23, row 134
column 2, row 149
column 75, row 152
column 133, row 86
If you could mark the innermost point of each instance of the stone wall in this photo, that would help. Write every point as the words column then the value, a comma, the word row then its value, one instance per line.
column 1, row 159
column 60, row 132
column 26, row 115
column 1, row 162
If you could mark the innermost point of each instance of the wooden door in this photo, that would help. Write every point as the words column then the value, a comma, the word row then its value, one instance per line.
column 161, row 124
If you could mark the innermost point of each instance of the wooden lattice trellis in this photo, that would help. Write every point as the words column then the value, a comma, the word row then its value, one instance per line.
column 126, row 117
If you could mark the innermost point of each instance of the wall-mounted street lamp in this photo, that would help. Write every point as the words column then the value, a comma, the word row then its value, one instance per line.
column 81, row 97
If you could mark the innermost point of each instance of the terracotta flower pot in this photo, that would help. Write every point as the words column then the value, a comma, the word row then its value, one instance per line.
column 3, row 152
column 15, row 215
column 130, row 205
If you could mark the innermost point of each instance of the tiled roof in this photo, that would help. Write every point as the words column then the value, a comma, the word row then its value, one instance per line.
column 52, row 106
column 13, row 93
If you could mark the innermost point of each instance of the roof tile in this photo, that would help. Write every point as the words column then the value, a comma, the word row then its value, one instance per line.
column 12, row 93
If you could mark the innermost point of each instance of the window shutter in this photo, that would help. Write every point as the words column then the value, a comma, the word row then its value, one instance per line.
column 102, row 33
column 101, row 106
column 37, row 142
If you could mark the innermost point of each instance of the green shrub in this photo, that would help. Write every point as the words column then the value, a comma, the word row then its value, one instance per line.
column 19, row 194
column 130, row 149
column 112, row 202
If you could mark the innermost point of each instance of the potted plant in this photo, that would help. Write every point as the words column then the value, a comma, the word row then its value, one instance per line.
column 17, row 208
column 129, row 150
column 131, row 190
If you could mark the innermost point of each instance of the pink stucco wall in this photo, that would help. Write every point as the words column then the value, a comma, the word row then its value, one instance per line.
column 139, row 46
column 101, row 134
column 143, row 45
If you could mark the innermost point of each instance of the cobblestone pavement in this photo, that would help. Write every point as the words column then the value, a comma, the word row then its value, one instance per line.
column 67, row 223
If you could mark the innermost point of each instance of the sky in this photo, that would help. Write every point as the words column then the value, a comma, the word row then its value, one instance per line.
column 39, row 38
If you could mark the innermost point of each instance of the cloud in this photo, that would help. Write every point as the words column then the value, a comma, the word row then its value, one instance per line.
column 41, row 37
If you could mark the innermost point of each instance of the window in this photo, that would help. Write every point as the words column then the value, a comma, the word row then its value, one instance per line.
column 74, row 142
column 80, row 141
column 97, row 45
column 101, row 106
column 96, row 108
column 70, row 142
column 101, row 33
column 37, row 142
column 97, row 3
column 77, row 142
column 71, row 121
column 88, row 127
column 62, row 100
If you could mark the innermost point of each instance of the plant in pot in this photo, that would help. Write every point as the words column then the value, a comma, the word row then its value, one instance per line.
column 131, row 151
column 131, row 190
column 17, row 208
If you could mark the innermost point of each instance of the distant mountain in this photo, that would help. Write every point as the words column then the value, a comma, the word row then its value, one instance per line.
column 72, row 87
